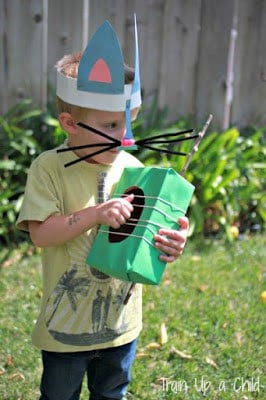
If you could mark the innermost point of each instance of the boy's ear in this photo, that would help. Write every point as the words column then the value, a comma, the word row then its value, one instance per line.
column 67, row 122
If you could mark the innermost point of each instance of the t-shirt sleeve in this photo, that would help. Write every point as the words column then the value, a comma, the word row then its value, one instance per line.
column 40, row 197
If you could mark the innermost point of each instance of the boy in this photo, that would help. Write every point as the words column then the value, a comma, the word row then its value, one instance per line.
column 84, row 327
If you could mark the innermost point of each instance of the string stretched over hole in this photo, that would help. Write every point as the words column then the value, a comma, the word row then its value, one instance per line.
column 138, row 204
column 148, row 197
column 125, row 235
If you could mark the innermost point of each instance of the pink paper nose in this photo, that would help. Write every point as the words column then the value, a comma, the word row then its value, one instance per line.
column 127, row 142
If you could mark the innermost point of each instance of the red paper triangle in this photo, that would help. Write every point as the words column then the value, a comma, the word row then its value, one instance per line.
column 100, row 72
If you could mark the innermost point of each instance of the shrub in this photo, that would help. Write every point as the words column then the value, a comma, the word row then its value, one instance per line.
column 24, row 132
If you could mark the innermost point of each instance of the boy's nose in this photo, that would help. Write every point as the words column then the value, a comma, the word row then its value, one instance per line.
column 122, row 132
column 128, row 141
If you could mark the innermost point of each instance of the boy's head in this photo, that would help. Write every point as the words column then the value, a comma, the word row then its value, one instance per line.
column 68, row 66
column 96, row 86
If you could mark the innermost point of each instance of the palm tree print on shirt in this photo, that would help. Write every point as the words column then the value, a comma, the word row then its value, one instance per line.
column 72, row 287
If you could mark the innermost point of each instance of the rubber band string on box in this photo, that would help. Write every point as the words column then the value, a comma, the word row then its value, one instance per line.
column 143, row 223
column 168, row 203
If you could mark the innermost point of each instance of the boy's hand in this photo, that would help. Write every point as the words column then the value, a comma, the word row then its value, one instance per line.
column 115, row 212
column 172, row 242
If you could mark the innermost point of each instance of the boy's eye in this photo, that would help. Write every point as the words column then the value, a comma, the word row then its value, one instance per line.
column 111, row 125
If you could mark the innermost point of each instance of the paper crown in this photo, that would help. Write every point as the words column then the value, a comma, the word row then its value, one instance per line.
column 100, row 81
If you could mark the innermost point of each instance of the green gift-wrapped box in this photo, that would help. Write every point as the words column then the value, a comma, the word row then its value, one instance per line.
column 161, row 196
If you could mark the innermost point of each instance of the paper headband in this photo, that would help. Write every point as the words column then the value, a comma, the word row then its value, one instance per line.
column 100, row 82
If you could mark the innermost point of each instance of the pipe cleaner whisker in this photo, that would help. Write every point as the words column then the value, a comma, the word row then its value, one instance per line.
column 164, row 150
column 94, row 130
column 167, row 141
column 170, row 134
column 111, row 146
column 84, row 146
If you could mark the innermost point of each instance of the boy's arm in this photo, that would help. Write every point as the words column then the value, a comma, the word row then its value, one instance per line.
column 58, row 229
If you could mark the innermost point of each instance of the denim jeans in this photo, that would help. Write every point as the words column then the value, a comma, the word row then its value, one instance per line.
column 108, row 373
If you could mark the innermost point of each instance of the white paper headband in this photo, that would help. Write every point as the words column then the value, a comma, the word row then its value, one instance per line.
column 67, row 91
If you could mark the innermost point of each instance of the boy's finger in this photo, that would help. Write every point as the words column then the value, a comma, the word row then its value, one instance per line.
column 184, row 223
column 129, row 197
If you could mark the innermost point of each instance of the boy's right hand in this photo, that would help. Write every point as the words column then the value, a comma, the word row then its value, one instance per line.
column 114, row 212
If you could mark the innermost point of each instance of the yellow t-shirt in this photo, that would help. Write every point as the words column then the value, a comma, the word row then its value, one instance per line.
column 82, row 309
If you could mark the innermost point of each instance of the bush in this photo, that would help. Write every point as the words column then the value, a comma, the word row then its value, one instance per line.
column 227, row 172
column 17, row 150
column 24, row 133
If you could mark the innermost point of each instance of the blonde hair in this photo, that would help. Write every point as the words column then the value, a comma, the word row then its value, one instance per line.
column 68, row 65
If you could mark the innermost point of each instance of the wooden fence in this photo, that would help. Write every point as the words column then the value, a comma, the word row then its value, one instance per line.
column 197, row 56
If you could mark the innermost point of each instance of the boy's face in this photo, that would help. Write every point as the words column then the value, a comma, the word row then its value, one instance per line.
column 111, row 123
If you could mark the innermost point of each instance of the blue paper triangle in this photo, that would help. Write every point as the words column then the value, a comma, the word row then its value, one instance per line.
column 135, row 87
column 136, row 83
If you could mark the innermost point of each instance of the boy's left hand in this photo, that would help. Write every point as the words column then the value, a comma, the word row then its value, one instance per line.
column 172, row 242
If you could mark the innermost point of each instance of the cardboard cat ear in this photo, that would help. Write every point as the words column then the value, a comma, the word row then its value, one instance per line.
column 101, row 76
column 101, row 68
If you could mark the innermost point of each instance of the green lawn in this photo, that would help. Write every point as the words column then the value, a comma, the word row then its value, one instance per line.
column 211, row 307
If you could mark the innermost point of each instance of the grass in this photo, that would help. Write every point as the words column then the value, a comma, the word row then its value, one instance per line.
column 209, row 303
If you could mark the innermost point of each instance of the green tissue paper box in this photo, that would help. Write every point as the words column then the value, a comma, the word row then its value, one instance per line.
column 161, row 196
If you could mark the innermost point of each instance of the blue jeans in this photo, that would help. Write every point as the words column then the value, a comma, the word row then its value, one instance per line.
column 108, row 373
